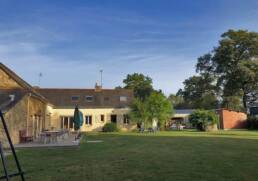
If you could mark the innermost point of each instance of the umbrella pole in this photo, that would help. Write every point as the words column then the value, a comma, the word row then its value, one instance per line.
column 79, row 133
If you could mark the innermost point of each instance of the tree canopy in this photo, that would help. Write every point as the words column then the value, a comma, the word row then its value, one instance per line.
column 199, row 92
column 202, row 118
column 234, row 63
column 141, row 85
column 228, row 73
column 139, row 111
column 155, row 107
column 159, row 107
column 177, row 101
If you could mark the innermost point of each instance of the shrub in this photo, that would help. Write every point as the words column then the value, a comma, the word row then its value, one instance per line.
column 110, row 127
column 201, row 119
column 252, row 122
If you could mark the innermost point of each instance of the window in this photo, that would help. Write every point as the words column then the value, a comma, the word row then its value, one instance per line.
column 71, row 124
column 88, row 120
column 123, row 98
column 75, row 98
column 126, row 119
column 67, row 122
column 89, row 98
column 102, row 117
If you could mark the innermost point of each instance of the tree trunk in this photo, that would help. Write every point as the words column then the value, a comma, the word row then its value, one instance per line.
column 244, row 101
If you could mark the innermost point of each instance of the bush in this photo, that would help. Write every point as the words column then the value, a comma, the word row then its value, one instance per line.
column 201, row 119
column 110, row 127
column 252, row 122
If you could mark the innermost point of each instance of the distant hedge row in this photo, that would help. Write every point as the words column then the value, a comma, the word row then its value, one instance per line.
column 252, row 122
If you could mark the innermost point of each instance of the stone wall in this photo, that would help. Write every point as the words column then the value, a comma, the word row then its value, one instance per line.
column 22, row 117
column 16, row 120
column 28, row 114
column 212, row 127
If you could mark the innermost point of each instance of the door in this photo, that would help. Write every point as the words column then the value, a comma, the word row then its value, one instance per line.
column 113, row 118
column 66, row 122
column 35, row 126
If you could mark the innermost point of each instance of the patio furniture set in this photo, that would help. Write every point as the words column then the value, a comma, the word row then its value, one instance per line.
column 45, row 137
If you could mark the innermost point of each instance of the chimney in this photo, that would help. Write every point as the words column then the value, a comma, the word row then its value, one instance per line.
column 98, row 87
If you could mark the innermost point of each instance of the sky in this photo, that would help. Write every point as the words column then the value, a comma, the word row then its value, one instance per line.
column 69, row 42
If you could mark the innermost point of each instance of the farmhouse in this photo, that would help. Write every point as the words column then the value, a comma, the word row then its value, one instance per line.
column 98, row 106
column 31, row 110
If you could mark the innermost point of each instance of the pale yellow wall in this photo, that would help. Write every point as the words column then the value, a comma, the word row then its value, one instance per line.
column 97, row 124
column 48, row 115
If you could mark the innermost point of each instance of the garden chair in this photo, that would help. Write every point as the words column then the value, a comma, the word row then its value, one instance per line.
column 141, row 130
column 24, row 138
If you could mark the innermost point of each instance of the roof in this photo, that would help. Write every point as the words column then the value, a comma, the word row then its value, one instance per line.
column 15, row 77
column 102, row 98
column 184, row 111
column 5, row 100
column 62, row 98
column 19, row 92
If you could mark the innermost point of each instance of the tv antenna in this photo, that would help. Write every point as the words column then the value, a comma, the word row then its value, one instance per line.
column 40, row 76
column 101, row 72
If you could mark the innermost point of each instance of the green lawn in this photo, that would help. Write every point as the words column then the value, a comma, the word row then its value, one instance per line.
column 175, row 155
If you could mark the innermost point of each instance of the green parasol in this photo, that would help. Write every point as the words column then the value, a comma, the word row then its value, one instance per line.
column 77, row 118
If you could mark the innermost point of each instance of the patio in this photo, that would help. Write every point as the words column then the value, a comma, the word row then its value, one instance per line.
column 68, row 141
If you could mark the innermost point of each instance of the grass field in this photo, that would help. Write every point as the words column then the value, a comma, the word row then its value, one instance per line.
column 175, row 155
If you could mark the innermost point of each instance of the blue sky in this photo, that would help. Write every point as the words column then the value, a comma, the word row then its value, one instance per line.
column 160, row 38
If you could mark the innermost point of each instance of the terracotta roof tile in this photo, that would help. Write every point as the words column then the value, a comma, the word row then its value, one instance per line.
column 106, row 98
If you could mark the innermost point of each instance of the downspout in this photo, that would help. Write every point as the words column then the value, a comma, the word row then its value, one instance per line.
column 28, row 114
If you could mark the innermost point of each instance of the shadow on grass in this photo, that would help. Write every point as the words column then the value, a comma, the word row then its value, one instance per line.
column 181, row 155
column 236, row 134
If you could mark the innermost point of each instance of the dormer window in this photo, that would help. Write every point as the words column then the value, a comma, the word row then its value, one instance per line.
column 123, row 98
column 75, row 98
column 89, row 98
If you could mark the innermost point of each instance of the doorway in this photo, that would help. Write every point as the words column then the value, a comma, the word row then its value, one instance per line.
column 113, row 118
column 36, row 125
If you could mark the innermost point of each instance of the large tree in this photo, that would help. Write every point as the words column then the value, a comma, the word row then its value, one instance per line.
column 141, row 85
column 176, row 100
column 139, row 112
column 159, row 107
column 155, row 107
column 234, row 63
column 199, row 92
